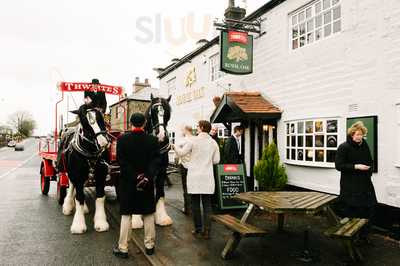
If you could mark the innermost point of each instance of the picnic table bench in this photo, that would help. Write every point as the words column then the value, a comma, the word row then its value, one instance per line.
column 280, row 203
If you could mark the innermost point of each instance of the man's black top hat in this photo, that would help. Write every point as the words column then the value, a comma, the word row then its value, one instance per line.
column 137, row 119
column 95, row 81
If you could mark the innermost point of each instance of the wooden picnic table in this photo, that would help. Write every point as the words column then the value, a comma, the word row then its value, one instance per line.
column 280, row 203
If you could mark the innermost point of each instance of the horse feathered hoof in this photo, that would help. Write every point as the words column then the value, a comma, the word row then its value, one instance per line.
column 68, row 206
column 85, row 209
column 100, row 218
column 137, row 221
column 161, row 216
column 78, row 224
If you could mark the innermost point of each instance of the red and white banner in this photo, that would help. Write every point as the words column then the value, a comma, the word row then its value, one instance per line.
column 238, row 36
column 82, row 86
column 231, row 167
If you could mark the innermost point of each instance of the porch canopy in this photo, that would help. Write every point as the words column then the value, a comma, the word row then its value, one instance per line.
column 244, row 106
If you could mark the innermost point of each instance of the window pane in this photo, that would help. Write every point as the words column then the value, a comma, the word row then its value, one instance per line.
column 294, row 20
column 326, row 4
column 318, row 34
column 292, row 128
column 293, row 154
column 300, row 155
column 287, row 128
column 318, row 21
column 327, row 17
column 336, row 26
column 287, row 141
column 302, row 28
column 330, row 156
column 309, row 155
column 301, row 16
column 310, row 25
column 331, row 126
column 310, row 37
column 317, row 7
column 308, row 12
column 309, row 127
column 309, row 141
column 336, row 13
column 300, row 141
column 331, row 141
column 334, row 2
column 293, row 141
column 327, row 30
column 300, row 127
column 302, row 40
column 319, row 155
column 319, row 140
column 288, row 154
column 295, row 32
column 319, row 126
column 295, row 43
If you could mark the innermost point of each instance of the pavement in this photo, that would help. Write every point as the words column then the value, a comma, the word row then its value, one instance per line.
column 33, row 230
column 175, row 244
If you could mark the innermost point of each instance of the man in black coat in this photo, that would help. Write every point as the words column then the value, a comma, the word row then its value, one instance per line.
column 232, row 148
column 139, row 158
column 354, row 161
column 96, row 98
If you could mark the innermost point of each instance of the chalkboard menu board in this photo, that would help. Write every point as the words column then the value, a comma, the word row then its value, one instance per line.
column 230, row 181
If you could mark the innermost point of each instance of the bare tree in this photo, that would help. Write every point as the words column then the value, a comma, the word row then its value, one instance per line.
column 22, row 122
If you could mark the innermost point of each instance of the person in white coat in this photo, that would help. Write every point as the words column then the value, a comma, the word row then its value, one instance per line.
column 184, row 146
column 200, row 178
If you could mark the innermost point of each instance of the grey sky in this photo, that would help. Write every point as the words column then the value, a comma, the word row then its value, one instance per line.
column 45, row 41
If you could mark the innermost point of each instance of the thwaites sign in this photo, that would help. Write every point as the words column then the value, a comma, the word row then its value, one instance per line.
column 236, row 51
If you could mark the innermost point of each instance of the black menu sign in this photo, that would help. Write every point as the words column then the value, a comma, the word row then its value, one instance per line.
column 230, row 181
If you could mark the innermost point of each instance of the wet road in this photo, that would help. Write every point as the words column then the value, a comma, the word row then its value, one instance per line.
column 33, row 230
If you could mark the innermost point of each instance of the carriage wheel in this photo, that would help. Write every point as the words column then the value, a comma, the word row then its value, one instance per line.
column 61, row 192
column 44, row 182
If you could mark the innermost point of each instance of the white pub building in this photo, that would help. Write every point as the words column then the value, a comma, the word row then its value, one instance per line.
column 320, row 66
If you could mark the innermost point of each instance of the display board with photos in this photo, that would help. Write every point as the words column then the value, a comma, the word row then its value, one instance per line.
column 312, row 142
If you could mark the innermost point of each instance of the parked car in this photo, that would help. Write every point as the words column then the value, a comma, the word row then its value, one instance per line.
column 11, row 143
column 19, row 147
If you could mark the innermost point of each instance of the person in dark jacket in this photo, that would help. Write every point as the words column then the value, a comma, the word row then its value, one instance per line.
column 96, row 99
column 354, row 161
column 139, row 158
column 232, row 147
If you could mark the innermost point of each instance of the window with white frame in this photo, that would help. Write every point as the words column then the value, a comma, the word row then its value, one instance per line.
column 214, row 68
column 315, row 21
column 171, row 136
column 171, row 86
column 223, row 133
column 312, row 142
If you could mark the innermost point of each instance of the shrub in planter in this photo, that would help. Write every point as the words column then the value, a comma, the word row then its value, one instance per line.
column 269, row 172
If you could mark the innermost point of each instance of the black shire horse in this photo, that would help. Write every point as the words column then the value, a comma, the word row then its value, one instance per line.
column 85, row 156
column 157, row 116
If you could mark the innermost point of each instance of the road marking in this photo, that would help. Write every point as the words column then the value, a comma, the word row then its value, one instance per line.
column 15, row 168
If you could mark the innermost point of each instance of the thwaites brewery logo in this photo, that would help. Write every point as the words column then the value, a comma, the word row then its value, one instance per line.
column 236, row 52
column 230, row 168
column 82, row 86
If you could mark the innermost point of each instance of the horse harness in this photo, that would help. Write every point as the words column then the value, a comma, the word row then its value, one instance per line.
column 167, row 146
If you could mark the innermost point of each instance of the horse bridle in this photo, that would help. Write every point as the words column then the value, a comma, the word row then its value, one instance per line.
column 166, row 147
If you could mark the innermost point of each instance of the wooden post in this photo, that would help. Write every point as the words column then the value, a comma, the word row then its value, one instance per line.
column 281, row 221
column 234, row 240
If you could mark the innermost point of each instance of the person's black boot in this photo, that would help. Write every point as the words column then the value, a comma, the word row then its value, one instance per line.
column 120, row 254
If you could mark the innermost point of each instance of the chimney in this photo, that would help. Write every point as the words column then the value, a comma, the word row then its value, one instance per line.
column 138, row 86
column 235, row 13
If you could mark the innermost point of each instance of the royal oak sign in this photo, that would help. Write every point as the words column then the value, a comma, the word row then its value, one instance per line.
column 236, row 52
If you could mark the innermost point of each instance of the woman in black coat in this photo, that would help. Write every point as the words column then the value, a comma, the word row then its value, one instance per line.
column 354, row 161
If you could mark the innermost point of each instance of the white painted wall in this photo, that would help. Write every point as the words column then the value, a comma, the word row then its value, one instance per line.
column 360, row 65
